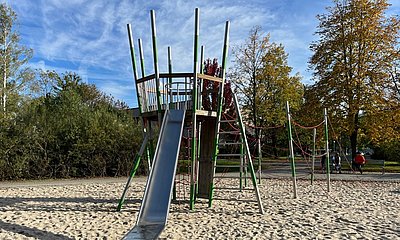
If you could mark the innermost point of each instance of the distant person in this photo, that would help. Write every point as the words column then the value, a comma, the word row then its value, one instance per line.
column 336, row 162
column 323, row 163
column 358, row 162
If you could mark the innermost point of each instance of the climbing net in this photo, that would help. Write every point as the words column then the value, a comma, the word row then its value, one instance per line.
column 308, row 147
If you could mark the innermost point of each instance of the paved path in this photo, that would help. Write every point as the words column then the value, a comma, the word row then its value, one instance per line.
column 366, row 176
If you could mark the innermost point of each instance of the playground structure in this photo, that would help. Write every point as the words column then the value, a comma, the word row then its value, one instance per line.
column 175, row 101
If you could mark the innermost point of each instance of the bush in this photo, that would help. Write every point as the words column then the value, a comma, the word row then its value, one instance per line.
column 74, row 132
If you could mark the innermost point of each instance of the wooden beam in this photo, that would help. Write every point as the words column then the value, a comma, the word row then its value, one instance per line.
column 208, row 77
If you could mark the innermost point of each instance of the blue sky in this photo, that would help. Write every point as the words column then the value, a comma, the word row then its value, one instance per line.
column 89, row 36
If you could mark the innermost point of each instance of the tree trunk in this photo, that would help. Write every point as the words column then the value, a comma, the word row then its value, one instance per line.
column 274, row 140
column 354, row 135
column 5, row 72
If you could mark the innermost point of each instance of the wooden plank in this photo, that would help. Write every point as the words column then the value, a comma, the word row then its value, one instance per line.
column 206, row 113
column 206, row 153
column 208, row 77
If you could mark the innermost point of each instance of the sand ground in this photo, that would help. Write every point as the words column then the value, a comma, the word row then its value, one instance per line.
column 85, row 209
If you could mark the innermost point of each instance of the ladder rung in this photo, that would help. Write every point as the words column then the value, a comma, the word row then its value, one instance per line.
column 232, row 188
column 229, row 132
column 226, row 121
column 230, row 143
column 230, row 154
column 231, row 199
column 232, row 177
column 228, row 166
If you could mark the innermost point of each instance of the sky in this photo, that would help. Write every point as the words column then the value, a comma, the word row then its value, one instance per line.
column 89, row 37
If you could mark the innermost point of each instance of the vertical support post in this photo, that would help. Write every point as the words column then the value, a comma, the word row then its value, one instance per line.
column 291, row 151
column 141, row 58
column 328, row 176
column 201, row 81
column 155, row 58
column 194, row 108
column 197, row 162
column 219, row 106
column 145, row 136
column 313, row 156
column 150, row 149
column 248, row 155
column 171, row 105
column 259, row 156
column 132, row 173
column 241, row 165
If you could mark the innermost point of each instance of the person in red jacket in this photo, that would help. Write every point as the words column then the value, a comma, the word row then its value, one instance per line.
column 358, row 162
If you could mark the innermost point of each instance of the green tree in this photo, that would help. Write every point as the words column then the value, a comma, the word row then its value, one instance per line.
column 72, row 131
column 261, row 74
column 350, row 63
column 13, row 57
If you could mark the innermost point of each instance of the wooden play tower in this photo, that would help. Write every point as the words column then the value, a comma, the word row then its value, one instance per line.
column 159, row 93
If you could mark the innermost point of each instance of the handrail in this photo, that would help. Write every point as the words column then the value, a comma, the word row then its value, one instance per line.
column 179, row 75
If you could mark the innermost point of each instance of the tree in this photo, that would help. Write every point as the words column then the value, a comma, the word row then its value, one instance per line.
column 262, row 76
column 350, row 63
column 13, row 57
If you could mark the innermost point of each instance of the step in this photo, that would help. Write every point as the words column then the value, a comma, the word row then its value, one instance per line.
column 229, row 132
column 234, row 188
column 233, row 200
column 232, row 177
column 230, row 143
column 230, row 154
column 228, row 121
column 229, row 166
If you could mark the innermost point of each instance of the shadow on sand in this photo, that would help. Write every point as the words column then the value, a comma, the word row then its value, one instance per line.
column 47, row 204
column 31, row 232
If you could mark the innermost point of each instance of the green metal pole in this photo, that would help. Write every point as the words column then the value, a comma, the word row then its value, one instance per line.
column 248, row 155
column 141, row 58
column 132, row 173
column 241, row 166
column 201, row 81
column 138, row 156
column 328, row 176
column 194, row 108
column 202, row 59
column 155, row 59
column 132, row 49
column 219, row 107
column 291, row 151
column 197, row 162
column 149, row 149
column 171, row 105
column 259, row 156
column 313, row 156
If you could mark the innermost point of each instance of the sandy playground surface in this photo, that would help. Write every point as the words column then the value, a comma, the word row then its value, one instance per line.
column 85, row 209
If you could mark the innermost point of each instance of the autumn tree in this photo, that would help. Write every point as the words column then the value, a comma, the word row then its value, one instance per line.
column 350, row 63
column 263, row 79
column 13, row 57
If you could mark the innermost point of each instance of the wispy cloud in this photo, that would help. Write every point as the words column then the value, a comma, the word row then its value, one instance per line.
column 89, row 36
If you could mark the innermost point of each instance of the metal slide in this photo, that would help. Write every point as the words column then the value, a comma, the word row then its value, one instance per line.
column 157, row 196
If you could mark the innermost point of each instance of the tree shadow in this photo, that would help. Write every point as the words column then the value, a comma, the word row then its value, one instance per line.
column 63, row 204
column 396, row 191
column 32, row 232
